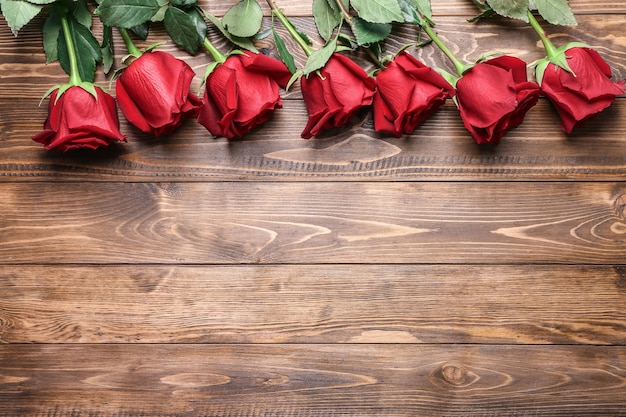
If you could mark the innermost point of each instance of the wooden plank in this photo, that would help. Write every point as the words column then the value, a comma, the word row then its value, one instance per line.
column 231, row 223
column 311, row 380
column 441, row 149
column 313, row 304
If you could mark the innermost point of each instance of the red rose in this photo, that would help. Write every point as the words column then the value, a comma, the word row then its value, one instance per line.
column 581, row 97
column 153, row 93
column 407, row 93
column 79, row 120
column 242, row 93
column 494, row 96
column 334, row 96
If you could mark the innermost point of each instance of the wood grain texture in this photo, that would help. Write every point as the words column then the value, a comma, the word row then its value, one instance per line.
column 361, row 304
column 351, row 275
column 312, row 380
column 240, row 222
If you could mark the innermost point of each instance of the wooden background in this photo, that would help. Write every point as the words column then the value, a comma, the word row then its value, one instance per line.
column 350, row 275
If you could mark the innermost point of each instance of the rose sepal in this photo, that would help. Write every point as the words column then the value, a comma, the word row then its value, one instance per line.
column 449, row 77
column 149, row 48
column 208, row 70
column 558, row 58
column 213, row 65
column 135, row 54
column 296, row 75
column 452, row 79
column 488, row 55
column 62, row 88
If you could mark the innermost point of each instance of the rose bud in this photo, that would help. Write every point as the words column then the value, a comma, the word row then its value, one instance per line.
column 77, row 119
column 494, row 96
column 407, row 93
column 153, row 93
column 335, row 95
column 584, row 92
column 242, row 93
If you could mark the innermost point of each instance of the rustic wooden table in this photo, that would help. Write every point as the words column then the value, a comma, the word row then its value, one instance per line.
column 354, row 274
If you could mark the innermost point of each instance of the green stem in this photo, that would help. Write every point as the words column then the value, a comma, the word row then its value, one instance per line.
column 71, row 51
column 346, row 15
column 458, row 65
column 130, row 46
column 551, row 50
column 292, row 31
column 215, row 53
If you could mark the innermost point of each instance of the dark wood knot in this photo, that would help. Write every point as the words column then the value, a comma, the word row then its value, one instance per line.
column 454, row 375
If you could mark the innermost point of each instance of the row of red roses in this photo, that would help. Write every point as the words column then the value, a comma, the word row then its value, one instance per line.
column 492, row 96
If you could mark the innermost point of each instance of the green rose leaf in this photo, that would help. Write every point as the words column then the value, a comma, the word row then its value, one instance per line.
column 106, row 47
column 517, row 9
column 82, row 13
column 327, row 18
column 199, row 23
column 378, row 11
column 557, row 12
column 141, row 31
column 159, row 16
column 181, row 27
column 424, row 8
column 18, row 13
column 284, row 53
column 367, row 33
column 410, row 12
column 243, row 43
column 244, row 19
column 88, row 51
column 128, row 13
column 51, row 32
column 319, row 58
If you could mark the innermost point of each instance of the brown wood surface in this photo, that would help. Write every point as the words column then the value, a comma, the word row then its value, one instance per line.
column 314, row 380
column 241, row 222
column 353, row 274
column 301, row 304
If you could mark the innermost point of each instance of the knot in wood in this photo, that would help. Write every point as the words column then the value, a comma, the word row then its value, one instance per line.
column 453, row 374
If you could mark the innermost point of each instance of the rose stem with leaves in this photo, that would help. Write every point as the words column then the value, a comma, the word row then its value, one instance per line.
column 292, row 31
column 75, row 78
